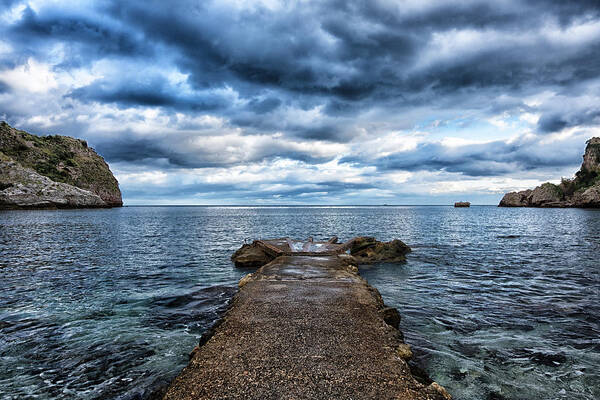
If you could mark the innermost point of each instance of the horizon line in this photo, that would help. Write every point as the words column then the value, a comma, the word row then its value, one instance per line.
column 304, row 205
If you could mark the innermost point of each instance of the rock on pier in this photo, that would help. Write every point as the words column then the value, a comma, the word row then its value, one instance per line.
column 304, row 326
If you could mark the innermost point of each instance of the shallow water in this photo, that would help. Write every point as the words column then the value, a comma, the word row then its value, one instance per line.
column 497, row 303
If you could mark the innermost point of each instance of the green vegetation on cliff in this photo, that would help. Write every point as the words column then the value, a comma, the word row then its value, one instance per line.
column 62, row 159
column 589, row 174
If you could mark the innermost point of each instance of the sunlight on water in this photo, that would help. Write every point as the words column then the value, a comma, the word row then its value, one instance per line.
column 497, row 303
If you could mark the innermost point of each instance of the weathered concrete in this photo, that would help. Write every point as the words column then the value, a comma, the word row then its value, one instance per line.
column 303, row 327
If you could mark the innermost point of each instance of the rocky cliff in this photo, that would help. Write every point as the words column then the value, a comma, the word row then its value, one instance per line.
column 53, row 171
column 581, row 191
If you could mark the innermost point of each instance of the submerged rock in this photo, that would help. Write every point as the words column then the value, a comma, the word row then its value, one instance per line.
column 368, row 250
column 391, row 316
column 582, row 191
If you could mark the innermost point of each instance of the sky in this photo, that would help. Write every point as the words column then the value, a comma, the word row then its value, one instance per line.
column 310, row 102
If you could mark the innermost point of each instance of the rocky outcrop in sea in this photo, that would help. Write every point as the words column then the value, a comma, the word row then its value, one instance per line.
column 362, row 249
column 53, row 172
column 582, row 191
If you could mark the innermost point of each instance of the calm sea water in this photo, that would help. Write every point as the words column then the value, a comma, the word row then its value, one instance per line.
column 497, row 303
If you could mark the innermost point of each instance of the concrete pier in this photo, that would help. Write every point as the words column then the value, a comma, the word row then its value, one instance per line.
column 303, row 327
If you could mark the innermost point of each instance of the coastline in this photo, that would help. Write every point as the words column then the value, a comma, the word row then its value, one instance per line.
column 51, row 207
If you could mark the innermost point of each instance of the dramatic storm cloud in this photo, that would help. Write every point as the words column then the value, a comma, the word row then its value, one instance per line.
column 346, row 102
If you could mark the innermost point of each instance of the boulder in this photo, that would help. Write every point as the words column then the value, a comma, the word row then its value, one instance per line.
column 516, row 199
column 348, row 259
column 545, row 194
column 245, row 279
column 391, row 316
column 350, row 262
column 590, row 197
column 404, row 351
column 362, row 242
column 438, row 391
column 251, row 256
column 367, row 250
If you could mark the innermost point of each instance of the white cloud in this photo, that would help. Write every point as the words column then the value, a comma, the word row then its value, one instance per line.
column 11, row 15
column 142, row 178
column 32, row 77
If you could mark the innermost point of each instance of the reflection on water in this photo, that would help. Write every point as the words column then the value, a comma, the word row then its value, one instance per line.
column 498, row 303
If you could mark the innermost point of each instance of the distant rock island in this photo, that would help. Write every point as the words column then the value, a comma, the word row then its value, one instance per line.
column 53, row 172
column 581, row 191
column 462, row 204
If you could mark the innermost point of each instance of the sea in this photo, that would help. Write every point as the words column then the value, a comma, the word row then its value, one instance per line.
column 497, row 303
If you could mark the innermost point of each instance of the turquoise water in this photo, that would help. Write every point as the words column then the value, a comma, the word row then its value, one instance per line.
column 497, row 303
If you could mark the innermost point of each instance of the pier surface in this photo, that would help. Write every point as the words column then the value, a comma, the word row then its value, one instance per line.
column 302, row 327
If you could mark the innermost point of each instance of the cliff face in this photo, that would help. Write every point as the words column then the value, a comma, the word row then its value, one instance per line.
column 581, row 191
column 53, row 171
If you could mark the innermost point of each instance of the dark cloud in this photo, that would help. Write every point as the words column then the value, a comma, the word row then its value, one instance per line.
column 148, row 91
column 348, row 55
column 350, row 51
column 373, row 49
column 291, row 190
column 478, row 160
column 354, row 56
column 330, row 132
column 4, row 88
column 555, row 121
column 188, row 152
column 128, row 148
column 329, row 187
column 94, row 35
column 264, row 106
column 551, row 123
column 6, row 4
column 155, row 152
column 567, row 11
